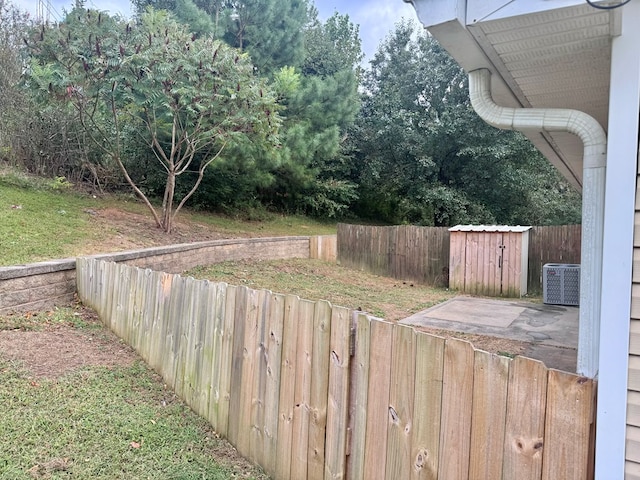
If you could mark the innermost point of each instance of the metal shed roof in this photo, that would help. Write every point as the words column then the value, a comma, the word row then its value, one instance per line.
column 489, row 228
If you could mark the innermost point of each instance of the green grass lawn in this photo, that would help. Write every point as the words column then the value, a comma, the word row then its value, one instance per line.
column 117, row 422
column 383, row 297
column 40, row 224
column 47, row 219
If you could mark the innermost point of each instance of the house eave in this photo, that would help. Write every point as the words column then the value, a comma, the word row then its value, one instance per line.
column 538, row 53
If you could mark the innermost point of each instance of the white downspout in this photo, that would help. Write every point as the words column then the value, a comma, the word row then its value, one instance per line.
column 593, row 188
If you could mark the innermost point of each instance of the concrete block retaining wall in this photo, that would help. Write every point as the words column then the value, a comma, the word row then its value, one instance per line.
column 42, row 285
column 37, row 286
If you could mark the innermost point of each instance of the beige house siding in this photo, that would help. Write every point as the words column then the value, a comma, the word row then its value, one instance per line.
column 632, row 454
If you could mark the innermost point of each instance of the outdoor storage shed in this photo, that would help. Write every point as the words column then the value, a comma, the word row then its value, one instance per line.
column 489, row 259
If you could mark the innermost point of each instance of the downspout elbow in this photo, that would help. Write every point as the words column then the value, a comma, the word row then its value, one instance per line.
column 579, row 123
column 593, row 178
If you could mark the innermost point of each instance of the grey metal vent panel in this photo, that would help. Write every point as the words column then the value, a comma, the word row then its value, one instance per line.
column 561, row 284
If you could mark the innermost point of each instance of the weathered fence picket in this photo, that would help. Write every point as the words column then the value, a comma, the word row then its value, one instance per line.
column 427, row 407
column 359, row 397
column 378, row 387
column 457, row 400
column 338, row 397
column 309, row 391
column 302, row 390
column 403, row 370
column 257, row 434
column 206, row 340
column 287, row 387
column 491, row 374
column 568, row 398
column 524, row 434
column 273, row 363
column 226, row 358
column 321, row 353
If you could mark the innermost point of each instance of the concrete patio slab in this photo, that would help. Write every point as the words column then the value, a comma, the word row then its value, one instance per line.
column 483, row 312
column 551, row 330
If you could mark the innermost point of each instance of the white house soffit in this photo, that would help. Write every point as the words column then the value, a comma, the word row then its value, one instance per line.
column 556, row 58
column 566, row 165
column 569, row 148
column 438, row 12
column 481, row 10
column 559, row 58
column 579, row 13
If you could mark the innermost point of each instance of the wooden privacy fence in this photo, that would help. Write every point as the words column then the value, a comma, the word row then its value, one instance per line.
column 311, row 391
column 405, row 252
column 268, row 371
column 422, row 253
column 553, row 244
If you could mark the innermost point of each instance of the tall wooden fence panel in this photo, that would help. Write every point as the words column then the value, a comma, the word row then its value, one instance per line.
column 552, row 244
column 311, row 391
column 406, row 252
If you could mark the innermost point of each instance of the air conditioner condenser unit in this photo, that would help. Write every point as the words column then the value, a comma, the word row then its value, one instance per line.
column 561, row 284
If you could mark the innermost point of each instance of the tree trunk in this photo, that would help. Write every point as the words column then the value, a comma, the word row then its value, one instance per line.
column 167, row 206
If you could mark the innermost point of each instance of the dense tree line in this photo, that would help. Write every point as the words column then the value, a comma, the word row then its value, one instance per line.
column 258, row 105
column 422, row 155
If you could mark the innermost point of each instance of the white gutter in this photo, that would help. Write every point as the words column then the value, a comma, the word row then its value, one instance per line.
column 593, row 192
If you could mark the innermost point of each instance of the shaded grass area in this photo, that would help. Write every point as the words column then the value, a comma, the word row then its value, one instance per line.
column 273, row 225
column 116, row 422
column 266, row 224
column 317, row 280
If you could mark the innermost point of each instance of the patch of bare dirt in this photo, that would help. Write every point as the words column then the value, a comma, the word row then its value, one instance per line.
column 128, row 231
column 61, row 349
column 45, row 469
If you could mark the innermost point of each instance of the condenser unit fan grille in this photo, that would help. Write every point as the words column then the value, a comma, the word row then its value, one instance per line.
column 561, row 284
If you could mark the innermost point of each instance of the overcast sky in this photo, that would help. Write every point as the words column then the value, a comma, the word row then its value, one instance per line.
column 375, row 17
